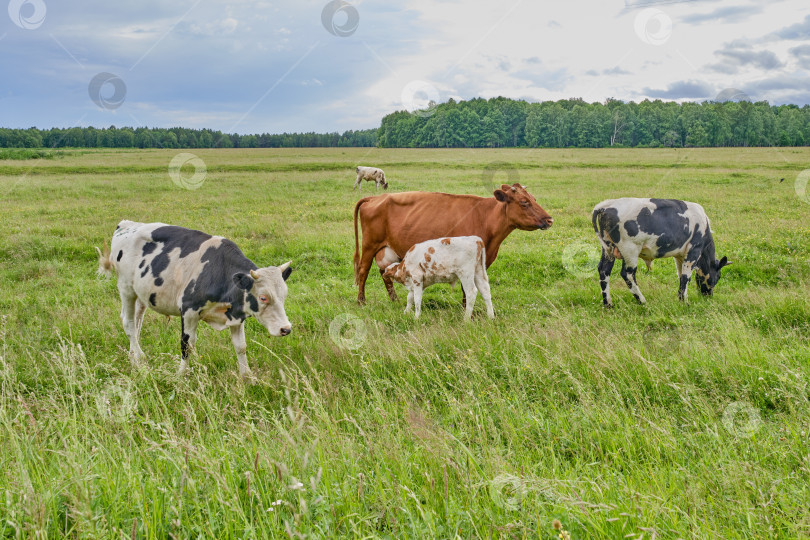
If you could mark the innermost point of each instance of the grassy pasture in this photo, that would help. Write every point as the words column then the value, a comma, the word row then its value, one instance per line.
column 664, row 421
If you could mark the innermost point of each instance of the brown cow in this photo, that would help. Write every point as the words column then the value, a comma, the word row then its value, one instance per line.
column 393, row 223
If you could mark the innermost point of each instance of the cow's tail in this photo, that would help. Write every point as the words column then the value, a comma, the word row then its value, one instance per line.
column 595, row 219
column 105, row 265
column 357, row 240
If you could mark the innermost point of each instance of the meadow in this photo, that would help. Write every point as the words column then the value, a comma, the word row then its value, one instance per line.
column 658, row 421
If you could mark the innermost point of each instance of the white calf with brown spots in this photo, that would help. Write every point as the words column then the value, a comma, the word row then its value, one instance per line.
column 444, row 260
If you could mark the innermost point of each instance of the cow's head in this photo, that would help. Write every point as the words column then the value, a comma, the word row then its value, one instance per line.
column 384, row 181
column 266, row 292
column 709, row 274
column 522, row 209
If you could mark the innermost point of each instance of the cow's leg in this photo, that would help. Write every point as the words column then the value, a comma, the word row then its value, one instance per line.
column 140, row 311
column 482, row 283
column 605, row 268
column 188, row 338
column 240, row 345
column 129, row 321
column 362, row 273
column 382, row 264
column 417, row 299
column 357, row 183
column 629, row 268
column 678, row 265
column 468, row 286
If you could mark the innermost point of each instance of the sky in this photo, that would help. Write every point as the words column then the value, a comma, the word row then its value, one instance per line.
column 252, row 66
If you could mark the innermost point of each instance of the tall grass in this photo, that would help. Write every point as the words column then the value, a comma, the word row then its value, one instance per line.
column 663, row 421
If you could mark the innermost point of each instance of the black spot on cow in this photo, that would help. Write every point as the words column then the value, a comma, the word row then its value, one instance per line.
column 152, row 298
column 631, row 227
column 667, row 223
column 158, row 282
column 254, row 303
column 120, row 254
column 670, row 203
column 145, row 271
column 172, row 237
column 143, row 262
column 606, row 222
column 148, row 248
column 216, row 281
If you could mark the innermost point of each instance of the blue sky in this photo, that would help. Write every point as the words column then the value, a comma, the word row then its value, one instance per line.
column 258, row 66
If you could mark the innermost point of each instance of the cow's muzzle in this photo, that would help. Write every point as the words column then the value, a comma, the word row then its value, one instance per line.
column 545, row 224
column 285, row 331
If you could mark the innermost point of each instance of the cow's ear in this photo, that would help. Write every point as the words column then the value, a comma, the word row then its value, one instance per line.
column 286, row 270
column 501, row 195
column 243, row 281
column 723, row 262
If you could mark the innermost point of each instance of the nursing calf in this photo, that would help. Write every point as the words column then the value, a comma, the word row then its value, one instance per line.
column 648, row 229
column 197, row 277
column 445, row 260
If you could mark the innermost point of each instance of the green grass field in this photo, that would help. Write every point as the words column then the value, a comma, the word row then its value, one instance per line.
column 664, row 421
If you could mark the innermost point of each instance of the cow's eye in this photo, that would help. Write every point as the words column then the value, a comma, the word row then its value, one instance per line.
column 524, row 204
column 264, row 299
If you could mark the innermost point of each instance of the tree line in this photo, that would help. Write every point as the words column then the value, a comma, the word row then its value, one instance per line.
column 126, row 137
column 502, row 122
column 480, row 123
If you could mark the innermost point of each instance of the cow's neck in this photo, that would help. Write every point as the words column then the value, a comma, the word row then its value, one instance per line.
column 498, row 228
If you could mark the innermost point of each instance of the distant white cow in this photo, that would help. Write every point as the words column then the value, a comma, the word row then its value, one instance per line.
column 371, row 174
column 194, row 276
column 445, row 260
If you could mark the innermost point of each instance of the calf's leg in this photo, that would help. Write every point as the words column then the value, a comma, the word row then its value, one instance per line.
column 482, row 283
column 357, row 183
column 410, row 301
column 417, row 299
column 468, row 285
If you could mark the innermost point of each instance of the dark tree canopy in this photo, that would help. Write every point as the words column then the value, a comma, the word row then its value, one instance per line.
column 482, row 123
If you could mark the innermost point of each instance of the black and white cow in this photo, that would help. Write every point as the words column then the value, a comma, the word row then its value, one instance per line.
column 196, row 276
column 632, row 229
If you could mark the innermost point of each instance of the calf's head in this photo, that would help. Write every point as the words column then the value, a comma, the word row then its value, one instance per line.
column 396, row 272
column 383, row 180
column 708, row 274
column 266, row 292
column 522, row 209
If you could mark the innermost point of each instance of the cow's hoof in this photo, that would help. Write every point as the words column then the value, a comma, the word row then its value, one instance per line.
column 608, row 306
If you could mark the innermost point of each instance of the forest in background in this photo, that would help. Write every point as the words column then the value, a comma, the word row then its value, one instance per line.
column 493, row 123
